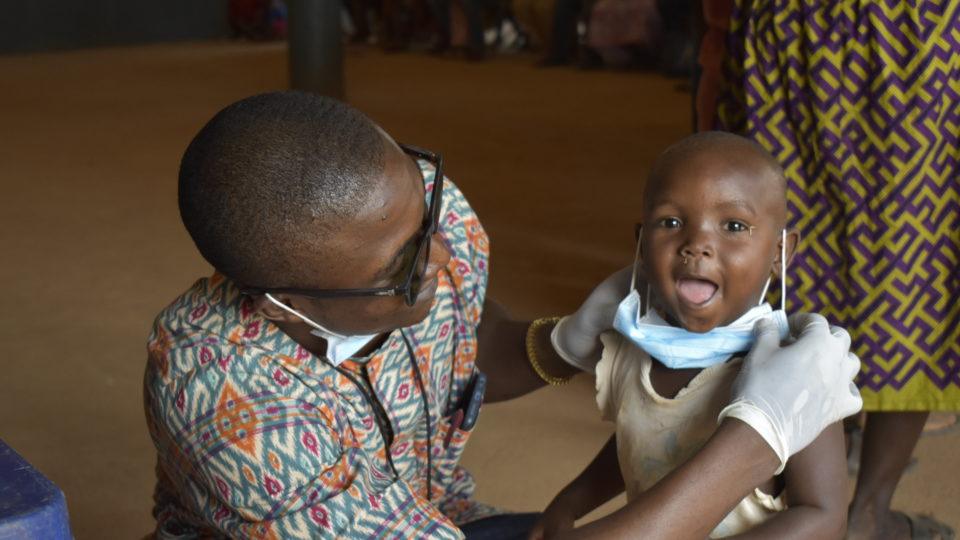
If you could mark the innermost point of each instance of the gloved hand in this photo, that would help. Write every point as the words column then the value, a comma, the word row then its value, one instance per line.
column 790, row 394
column 576, row 337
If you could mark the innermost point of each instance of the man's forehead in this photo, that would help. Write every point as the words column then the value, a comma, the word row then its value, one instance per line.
column 397, row 178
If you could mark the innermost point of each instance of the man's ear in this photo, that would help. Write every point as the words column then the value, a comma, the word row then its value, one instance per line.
column 273, row 312
column 793, row 239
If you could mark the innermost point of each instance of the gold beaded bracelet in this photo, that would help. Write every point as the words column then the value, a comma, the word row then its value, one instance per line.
column 532, row 351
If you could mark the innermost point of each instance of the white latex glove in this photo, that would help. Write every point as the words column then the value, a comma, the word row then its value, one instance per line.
column 790, row 394
column 576, row 337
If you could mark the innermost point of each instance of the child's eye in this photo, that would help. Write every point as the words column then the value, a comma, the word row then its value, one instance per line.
column 737, row 226
column 670, row 223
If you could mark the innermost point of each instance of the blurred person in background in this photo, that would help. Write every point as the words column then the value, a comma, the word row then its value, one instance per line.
column 859, row 101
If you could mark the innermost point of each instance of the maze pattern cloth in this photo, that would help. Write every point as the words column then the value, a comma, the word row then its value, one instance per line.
column 860, row 102
column 258, row 438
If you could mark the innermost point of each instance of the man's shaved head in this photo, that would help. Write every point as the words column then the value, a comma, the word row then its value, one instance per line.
column 267, row 169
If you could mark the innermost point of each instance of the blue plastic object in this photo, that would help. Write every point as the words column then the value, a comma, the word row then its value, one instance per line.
column 31, row 506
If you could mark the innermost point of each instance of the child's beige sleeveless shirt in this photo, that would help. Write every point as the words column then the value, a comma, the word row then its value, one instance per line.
column 656, row 434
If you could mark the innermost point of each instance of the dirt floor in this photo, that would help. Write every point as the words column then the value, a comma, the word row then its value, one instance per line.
column 553, row 161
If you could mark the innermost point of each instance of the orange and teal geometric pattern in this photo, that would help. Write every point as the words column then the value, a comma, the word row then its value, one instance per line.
column 258, row 438
column 860, row 103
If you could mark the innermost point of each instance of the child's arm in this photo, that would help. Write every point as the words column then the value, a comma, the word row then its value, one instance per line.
column 597, row 484
column 816, row 493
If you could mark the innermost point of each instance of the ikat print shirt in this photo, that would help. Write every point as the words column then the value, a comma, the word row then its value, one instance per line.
column 258, row 438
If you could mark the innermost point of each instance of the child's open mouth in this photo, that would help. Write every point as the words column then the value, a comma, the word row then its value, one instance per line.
column 695, row 291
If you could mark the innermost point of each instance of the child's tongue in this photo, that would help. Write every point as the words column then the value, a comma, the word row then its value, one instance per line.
column 696, row 291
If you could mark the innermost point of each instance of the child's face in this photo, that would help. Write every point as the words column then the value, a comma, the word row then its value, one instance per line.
column 711, row 238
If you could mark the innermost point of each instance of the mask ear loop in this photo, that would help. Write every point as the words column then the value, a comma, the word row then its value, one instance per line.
column 783, row 274
column 633, row 273
column 783, row 270
column 763, row 295
column 646, row 301
column 633, row 281
column 303, row 317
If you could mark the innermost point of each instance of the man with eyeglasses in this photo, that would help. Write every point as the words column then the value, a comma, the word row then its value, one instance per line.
column 324, row 381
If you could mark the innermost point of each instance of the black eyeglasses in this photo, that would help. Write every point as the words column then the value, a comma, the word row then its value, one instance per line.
column 409, row 288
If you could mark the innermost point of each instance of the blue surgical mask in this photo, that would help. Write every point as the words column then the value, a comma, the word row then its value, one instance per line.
column 339, row 347
column 678, row 348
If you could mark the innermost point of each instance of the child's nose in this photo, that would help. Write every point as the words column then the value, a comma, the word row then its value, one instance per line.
column 697, row 245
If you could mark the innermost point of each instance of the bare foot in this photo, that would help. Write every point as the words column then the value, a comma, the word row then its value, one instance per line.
column 868, row 524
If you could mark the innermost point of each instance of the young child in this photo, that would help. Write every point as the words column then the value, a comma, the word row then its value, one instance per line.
column 712, row 236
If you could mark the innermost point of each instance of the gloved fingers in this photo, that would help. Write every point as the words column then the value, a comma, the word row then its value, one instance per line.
column 803, row 323
column 851, row 403
column 617, row 285
column 582, row 357
column 768, row 337
column 842, row 335
column 851, row 366
column 599, row 309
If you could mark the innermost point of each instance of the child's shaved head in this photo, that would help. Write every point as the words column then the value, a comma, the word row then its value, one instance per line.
column 727, row 151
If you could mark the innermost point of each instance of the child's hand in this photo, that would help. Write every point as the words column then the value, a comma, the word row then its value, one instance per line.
column 554, row 520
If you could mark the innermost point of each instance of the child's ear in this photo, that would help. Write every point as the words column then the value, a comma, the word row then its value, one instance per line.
column 793, row 239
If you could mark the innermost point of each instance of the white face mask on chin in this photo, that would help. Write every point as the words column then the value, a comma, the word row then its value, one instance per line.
column 339, row 347
column 678, row 348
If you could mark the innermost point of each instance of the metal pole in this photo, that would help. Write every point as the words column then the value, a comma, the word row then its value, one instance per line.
column 315, row 46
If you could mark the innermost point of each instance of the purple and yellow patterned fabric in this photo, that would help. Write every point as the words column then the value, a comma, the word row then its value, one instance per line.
column 258, row 438
column 859, row 100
